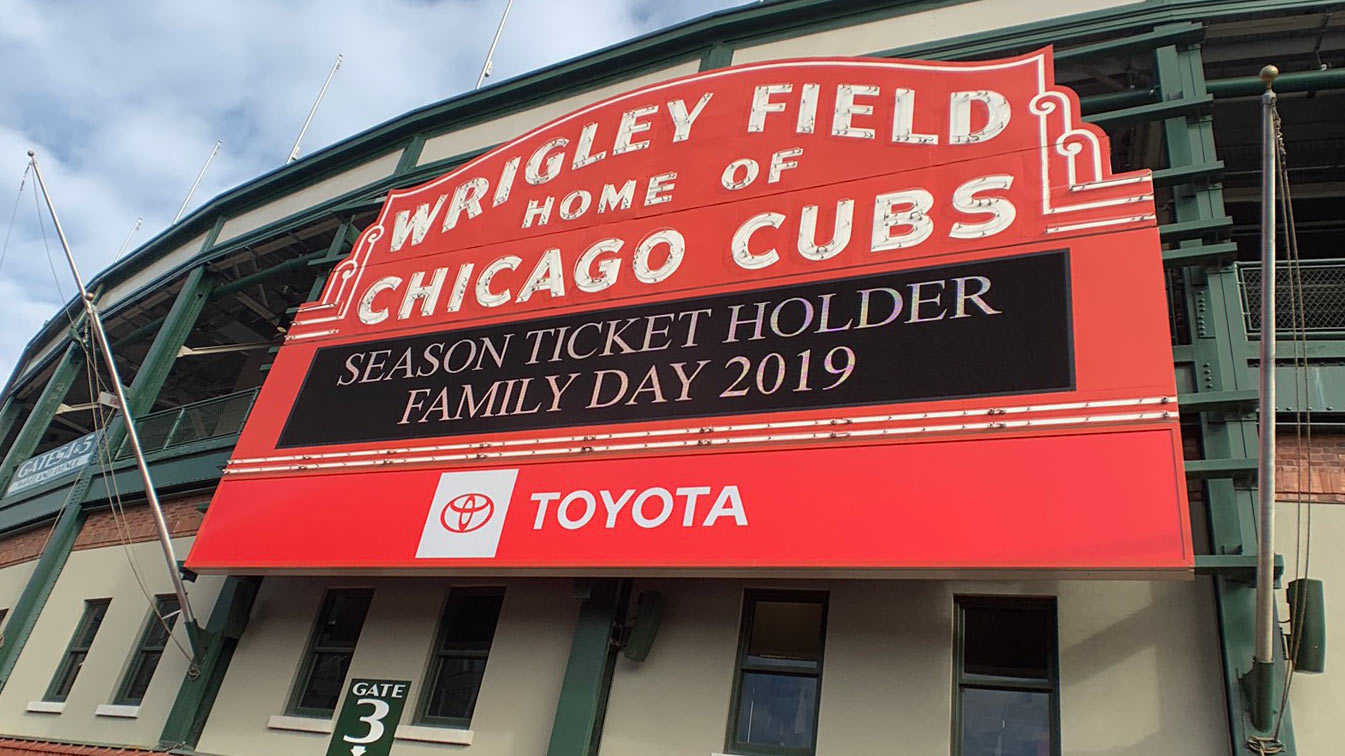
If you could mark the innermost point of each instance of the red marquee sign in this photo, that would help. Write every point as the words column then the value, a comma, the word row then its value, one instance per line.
column 861, row 315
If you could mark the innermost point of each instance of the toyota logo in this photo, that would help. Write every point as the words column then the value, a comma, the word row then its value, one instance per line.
column 467, row 512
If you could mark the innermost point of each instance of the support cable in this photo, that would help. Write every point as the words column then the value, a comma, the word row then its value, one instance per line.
column 1302, row 418
column 12, row 215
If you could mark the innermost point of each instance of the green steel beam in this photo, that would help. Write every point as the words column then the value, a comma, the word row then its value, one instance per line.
column 1295, row 81
column 294, row 263
column 1198, row 228
column 1108, row 101
column 720, row 55
column 1199, row 254
column 1235, row 566
column 23, row 617
column 1220, row 352
column 1233, row 467
column 577, row 728
column 1189, row 173
column 30, row 434
column 1218, row 401
column 9, row 415
column 410, row 155
column 172, row 335
column 186, row 720
column 1163, row 35
column 1184, row 106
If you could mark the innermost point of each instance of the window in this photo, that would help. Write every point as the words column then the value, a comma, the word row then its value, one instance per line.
column 323, row 674
column 779, row 674
column 459, row 660
column 1006, row 702
column 147, row 654
column 73, row 661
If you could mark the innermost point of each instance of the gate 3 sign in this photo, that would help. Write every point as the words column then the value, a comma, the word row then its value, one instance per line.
column 863, row 315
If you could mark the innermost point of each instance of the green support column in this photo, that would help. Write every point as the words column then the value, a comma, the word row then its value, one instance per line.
column 1219, row 342
column 9, row 415
column 141, row 394
column 67, row 370
column 192, row 706
column 24, row 615
column 577, row 728
column 149, row 379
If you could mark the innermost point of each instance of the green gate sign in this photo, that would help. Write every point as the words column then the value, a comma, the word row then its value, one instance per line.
column 369, row 718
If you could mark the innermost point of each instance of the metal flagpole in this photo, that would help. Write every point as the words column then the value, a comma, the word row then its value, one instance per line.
column 197, row 182
column 490, row 54
column 1264, row 657
column 127, row 242
column 294, row 153
column 96, row 324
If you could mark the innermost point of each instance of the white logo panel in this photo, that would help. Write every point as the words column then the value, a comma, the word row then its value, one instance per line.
column 467, row 514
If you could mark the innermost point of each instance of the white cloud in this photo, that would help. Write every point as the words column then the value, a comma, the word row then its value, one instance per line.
column 123, row 102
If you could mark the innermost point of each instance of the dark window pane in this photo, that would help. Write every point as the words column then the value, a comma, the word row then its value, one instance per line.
column 1007, row 642
column 141, row 673
column 777, row 710
column 74, row 664
column 325, row 680
column 342, row 618
column 156, row 634
column 470, row 619
column 785, row 633
column 93, row 620
column 1005, row 723
column 456, row 684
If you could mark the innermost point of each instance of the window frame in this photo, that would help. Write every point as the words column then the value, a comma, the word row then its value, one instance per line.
column 751, row 597
column 74, row 647
column 312, row 649
column 1050, row 685
column 437, row 653
column 142, row 649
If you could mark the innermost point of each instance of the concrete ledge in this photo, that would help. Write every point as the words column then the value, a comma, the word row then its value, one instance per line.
column 45, row 707
column 424, row 734
column 117, row 710
column 301, row 724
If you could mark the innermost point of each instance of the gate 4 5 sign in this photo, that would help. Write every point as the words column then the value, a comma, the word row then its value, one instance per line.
column 369, row 718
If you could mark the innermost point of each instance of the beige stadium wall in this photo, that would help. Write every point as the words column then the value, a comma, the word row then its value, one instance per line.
column 947, row 22
column 518, row 693
column 507, row 127
column 12, row 580
column 1317, row 700
column 95, row 574
column 1139, row 668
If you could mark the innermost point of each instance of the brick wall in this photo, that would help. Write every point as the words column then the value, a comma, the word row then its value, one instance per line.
column 137, row 524
column 25, row 545
column 1324, row 481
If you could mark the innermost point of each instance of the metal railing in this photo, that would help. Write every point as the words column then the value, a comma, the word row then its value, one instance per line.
column 1323, row 297
column 198, row 421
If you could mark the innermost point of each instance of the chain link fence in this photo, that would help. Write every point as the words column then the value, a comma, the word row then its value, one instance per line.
column 1323, row 297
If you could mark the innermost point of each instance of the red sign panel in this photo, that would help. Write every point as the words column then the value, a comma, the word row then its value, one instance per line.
column 846, row 314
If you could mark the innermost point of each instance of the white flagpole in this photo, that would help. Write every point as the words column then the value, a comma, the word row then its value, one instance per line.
column 490, row 54
column 197, row 182
column 294, row 153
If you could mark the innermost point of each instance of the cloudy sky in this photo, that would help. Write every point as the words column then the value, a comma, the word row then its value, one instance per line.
column 124, row 101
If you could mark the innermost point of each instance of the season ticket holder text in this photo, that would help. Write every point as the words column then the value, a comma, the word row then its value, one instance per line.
column 982, row 328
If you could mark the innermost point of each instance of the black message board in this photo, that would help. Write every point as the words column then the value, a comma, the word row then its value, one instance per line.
column 985, row 328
